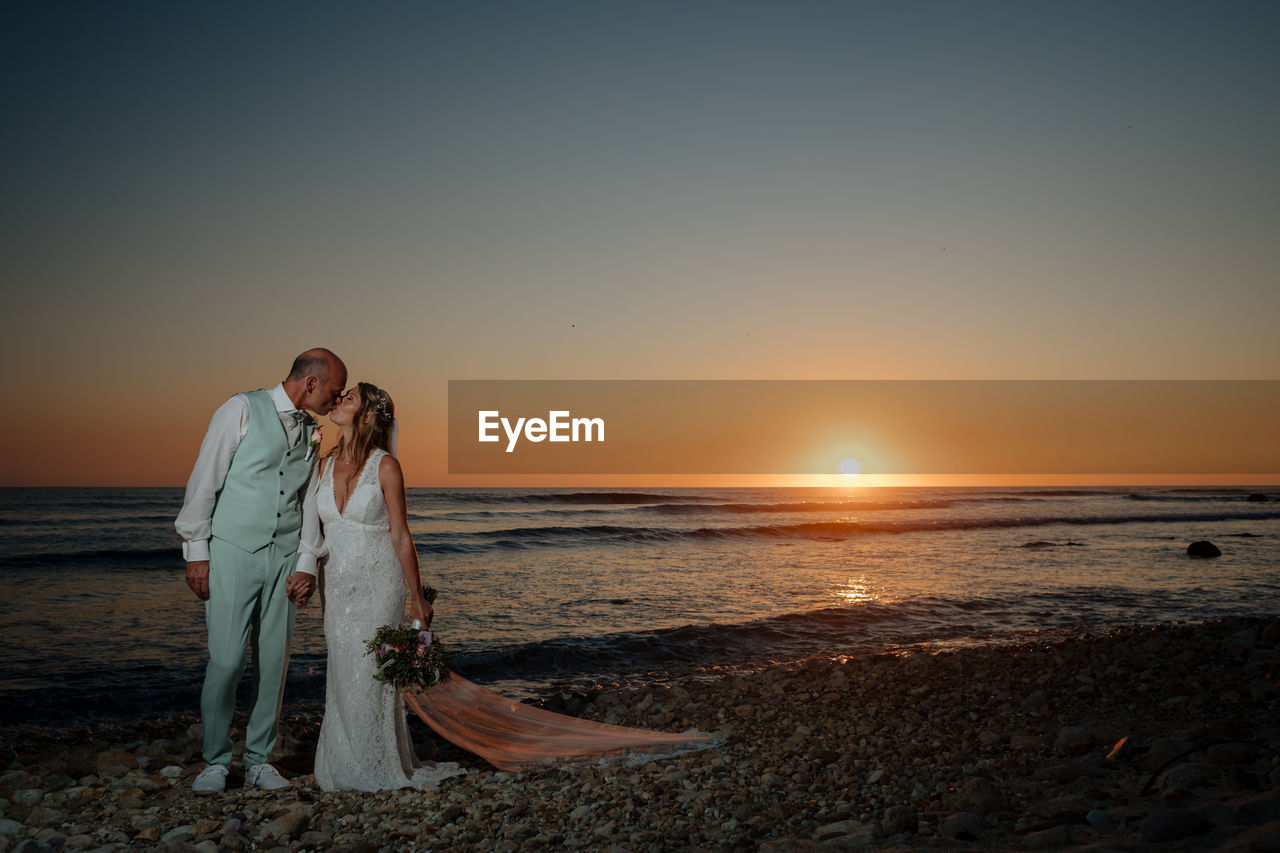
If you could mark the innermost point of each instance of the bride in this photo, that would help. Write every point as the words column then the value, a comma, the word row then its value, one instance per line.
column 364, row 741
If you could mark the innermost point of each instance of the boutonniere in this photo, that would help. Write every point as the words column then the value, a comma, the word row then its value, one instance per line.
column 313, row 443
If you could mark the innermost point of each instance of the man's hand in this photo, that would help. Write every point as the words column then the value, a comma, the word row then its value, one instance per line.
column 198, row 578
column 299, row 586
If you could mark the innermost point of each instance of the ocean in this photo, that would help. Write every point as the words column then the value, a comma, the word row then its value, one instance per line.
column 554, row 589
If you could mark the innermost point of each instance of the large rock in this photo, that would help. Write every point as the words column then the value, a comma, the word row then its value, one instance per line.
column 1230, row 753
column 315, row 839
column 834, row 830
column 1203, row 548
column 900, row 819
column 864, row 838
column 179, row 833
column 1163, row 751
column 1189, row 775
column 965, row 826
column 1069, row 771
column 290, row 825
column 1241, row 642
column 114, row 762
column 989, row 738
column 33, row 846
column 1073, row 740
column 27, row 796
column 43, row 816
column 1173, row 825
column 81, row 763
column 1265, row 808
column 1053, row 838
column 1030, row 742
column 981, row 797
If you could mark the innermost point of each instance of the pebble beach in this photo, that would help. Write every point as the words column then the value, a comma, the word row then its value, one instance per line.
column 1146, row 738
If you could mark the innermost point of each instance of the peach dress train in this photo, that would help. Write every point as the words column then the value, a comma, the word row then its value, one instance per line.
column 364, row 742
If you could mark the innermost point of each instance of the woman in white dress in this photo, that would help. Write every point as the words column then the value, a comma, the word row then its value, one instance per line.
column 364, row 742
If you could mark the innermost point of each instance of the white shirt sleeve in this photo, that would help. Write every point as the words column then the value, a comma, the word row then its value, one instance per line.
column 312, row 547
column 227, row 429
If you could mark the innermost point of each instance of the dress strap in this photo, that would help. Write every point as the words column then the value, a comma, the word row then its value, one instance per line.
column 371, row 465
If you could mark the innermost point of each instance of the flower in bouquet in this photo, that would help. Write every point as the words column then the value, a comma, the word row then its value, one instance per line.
column 409, row 658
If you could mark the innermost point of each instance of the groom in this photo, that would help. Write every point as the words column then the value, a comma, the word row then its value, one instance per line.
column 242, row 524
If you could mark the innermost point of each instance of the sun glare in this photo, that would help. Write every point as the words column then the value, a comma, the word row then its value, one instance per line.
column 850, row 467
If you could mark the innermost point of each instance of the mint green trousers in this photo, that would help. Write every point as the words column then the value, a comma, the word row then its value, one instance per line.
column 247, row 610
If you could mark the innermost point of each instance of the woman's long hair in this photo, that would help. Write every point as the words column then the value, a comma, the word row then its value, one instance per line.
column 365, row 437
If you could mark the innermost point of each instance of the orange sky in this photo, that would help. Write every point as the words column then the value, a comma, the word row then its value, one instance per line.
column 608, row 191
column 156, row 442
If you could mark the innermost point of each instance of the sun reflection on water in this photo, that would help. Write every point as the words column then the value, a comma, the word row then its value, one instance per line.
column 856, row 591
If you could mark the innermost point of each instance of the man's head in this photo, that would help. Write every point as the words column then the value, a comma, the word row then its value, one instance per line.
column 316, row 380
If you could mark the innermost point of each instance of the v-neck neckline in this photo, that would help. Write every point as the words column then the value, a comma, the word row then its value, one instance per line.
column 342, row 511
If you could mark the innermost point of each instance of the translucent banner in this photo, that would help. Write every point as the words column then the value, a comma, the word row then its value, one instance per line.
column 864, row 427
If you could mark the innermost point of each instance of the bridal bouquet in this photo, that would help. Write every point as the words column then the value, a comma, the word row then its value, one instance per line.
column 409, row 657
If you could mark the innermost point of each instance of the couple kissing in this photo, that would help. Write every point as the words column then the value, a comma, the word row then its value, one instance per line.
column 263, row 516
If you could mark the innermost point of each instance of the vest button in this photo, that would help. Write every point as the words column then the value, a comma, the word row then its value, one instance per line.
column 282, row 493
column 277, row 515
column 281, row 473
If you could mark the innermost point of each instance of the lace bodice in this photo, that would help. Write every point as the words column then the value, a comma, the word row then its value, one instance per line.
column 365, row 506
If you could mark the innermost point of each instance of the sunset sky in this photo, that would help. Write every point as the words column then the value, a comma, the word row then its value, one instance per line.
column 192, row 193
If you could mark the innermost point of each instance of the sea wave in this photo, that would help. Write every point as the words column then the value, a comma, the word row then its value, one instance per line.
column 602, row 498
column 538, row 536
column 1191, row 497
column 111, row 557
column 836, row 630
column 796, row 507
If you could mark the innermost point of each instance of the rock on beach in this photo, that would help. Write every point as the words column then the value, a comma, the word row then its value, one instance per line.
column 1203, row 548
column 1074, row 744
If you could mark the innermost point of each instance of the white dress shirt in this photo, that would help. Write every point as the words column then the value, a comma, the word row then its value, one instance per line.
column 227, row 428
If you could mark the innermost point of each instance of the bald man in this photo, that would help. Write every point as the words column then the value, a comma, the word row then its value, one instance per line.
column 241, row 526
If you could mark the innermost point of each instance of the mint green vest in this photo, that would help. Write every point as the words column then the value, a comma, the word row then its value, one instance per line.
column 261, row 501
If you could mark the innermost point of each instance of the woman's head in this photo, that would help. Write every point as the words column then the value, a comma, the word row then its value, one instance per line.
column 366, row 414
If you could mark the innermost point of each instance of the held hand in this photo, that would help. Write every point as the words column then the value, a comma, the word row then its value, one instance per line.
column 198, row 578
column 299, row 586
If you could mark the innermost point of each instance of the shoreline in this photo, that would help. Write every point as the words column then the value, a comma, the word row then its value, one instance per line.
column 570, row 693
column 995, row 747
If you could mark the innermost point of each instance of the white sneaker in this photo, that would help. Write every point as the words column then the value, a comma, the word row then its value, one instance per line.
column 212, row 780
column 266, row 777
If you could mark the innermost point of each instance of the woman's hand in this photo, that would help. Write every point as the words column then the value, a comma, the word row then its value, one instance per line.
column 422, row 611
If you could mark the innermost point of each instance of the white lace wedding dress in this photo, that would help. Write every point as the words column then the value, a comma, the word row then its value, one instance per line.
column 364, row 742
